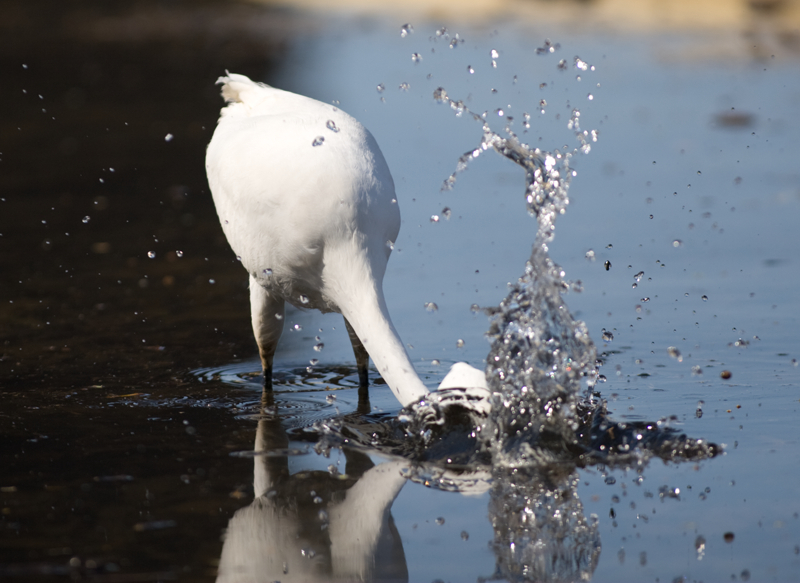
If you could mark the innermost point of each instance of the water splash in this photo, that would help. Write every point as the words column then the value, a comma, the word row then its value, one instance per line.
column 542, row 366
column 539, row 353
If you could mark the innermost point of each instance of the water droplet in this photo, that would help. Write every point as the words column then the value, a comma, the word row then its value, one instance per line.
column 239, row 258
column 440, row 95
column 434, row 218
column 390, row 244
column 267, row 272
column 151, row 254
column 86, row 219
column 677, row 243
column 639, row 276
column 464, row 535
column 607, row 265
column 416, row 57
column 675, row 353
column 470, row 70
column 297, row 327
column 645, row 299
column 697, row 370
column 303, row 299
column 278, row 316
column 634, row 285
column 331, row 125
column 459, row 343
column 562, row 65
column 179, row 253
column 212, row 281
column 499, row 112
column 406, row 30
column 318, row 141
column 323, row 516
column 494, row 54
column 381, row 88
column 726, row 374
column 404, row 87
column 168, row 138
column 704, row 298
column 590, row 97
column 610, row 480
column 475, row 308
column 440, row 521
column 319, row 347
column 590, row 255
column 435, row 362
column 431, row 307
column 607, row 336
column 314, row 361
column 446, row 212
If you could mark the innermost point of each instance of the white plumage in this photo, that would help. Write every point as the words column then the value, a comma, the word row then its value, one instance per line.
column 307, row 203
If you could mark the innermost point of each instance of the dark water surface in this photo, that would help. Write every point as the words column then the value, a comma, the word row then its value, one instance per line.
column 133, row 434
column 98, row 404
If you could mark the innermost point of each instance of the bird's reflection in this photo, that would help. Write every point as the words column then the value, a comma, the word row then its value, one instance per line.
column 323, row 526
column 314, row 525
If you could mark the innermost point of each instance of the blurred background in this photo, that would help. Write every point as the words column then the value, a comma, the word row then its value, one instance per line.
column 91, row 183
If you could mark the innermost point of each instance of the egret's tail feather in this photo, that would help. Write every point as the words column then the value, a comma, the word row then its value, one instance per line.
column 240, row 89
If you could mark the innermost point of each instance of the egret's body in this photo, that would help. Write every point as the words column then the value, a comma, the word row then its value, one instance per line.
column 312, row 221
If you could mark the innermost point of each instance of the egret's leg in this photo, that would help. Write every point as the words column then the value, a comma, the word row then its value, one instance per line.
column 266, row 311
column 362, row 357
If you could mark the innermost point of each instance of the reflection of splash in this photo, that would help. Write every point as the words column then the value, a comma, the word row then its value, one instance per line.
column 540, row 530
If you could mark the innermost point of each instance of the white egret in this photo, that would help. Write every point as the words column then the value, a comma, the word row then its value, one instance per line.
column 307, row 202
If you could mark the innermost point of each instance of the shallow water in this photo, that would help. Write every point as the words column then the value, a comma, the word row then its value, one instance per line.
column 128, row 454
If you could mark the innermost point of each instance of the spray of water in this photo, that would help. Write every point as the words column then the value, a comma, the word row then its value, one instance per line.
column 539, row 353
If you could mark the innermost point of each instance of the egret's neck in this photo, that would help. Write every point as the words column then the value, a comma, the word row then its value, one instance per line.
column 369, row 317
